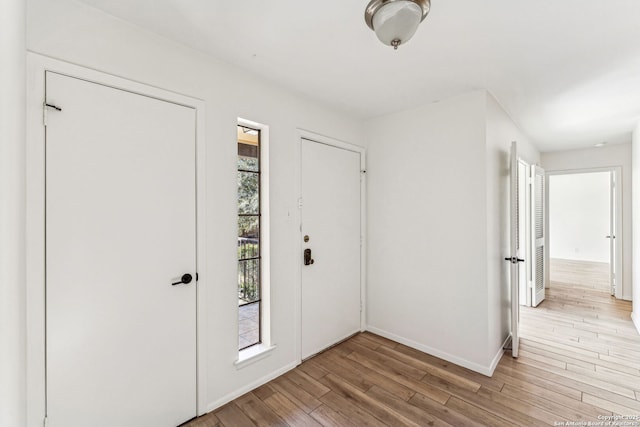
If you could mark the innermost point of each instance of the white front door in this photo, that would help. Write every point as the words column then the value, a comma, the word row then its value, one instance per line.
column 539, row 234
column 331, row 236
column 120, row 231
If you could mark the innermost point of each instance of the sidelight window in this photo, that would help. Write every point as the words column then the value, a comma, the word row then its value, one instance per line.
column 249, row 238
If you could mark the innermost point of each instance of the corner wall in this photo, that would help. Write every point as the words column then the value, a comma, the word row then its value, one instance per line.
column 501, row 131
column 607, row 156
column 426, row 221
column 438, row 227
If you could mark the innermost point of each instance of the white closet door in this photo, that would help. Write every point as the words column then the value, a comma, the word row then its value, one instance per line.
column 539, row 233
column 331, row 220
column 120, row 229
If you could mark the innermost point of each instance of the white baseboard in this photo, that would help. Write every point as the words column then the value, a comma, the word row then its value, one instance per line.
column 635, row 316
column 484, row 370
column 247, row 388
column 497, row 357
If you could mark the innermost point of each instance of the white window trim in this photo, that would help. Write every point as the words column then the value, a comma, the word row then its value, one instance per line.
column 258, row 352
column 253, row 354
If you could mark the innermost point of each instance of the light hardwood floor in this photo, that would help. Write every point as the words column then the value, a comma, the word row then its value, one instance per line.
column 586, row 274
column 580, row 360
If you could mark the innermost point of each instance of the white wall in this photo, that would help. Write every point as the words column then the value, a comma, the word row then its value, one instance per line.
column 426, row 220
column 598, row 157
column 500, row 132
column 635, row 151
column 579, row 216
column 76, row 33
column 12, row 214
column 438, row 227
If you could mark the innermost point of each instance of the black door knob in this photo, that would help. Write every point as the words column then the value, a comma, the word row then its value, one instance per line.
column 186, row 278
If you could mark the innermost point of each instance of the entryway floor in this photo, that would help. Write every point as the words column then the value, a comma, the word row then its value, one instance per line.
column 579, row 362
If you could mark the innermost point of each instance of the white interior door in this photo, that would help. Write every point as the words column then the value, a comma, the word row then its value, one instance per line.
column 539, row 230
column 514, row 246
column 330, row 285
column 120, row 229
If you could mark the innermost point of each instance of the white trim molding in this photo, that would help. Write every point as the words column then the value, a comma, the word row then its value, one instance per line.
column 258, row 352
column 251, row 386
column 635, row 316
column 484, row 370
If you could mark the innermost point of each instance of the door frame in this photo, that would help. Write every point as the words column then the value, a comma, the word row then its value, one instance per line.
column 37, row 65
column 617, row 219
column 525, row 230
column 298, row 259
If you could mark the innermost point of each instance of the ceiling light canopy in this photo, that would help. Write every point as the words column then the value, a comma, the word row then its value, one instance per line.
column 396, row 21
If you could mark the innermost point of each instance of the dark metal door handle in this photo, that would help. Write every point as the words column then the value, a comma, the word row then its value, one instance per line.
column 514, row 260
column 186, row 278
column 307, row 257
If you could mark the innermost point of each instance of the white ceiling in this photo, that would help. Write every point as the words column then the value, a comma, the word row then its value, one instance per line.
column 568, row 71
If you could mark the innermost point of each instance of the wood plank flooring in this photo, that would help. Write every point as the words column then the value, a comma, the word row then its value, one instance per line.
column 586, row 274
column 580, row 360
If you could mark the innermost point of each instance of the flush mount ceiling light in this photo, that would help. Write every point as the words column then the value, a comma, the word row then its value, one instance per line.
column 396, row 21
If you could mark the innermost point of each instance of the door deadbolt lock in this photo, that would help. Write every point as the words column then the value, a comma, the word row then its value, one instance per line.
column 306, row 238
column 307, row 257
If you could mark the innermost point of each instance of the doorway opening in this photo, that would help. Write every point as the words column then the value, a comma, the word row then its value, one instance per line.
column 584, row 235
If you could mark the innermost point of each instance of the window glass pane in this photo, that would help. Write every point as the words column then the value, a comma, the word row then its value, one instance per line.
column 248, row 193
column 248, row 158
column 248, row 281
column 249, row 293
column 249, row 321
column 248, row 237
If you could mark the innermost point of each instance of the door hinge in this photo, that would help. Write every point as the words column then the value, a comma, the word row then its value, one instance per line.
column 45, row 108
column 300, row 203
column 360, row 306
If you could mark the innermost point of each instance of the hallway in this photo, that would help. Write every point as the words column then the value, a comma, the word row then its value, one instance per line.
column 582, row 339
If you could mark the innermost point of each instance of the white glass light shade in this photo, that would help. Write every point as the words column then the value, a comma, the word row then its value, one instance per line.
column 396, row 22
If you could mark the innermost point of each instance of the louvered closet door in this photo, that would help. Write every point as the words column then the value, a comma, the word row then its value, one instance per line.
column 539, row 233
